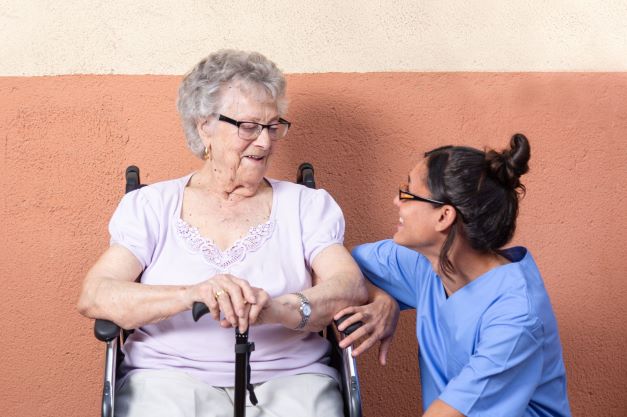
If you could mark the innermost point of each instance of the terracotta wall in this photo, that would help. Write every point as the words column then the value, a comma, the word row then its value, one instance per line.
column 67, row 141
column 371, row 88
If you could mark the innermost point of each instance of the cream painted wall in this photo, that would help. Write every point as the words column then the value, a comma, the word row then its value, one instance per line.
column 50, row 37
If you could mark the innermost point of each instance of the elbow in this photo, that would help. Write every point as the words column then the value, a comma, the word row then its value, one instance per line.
column 357, row 290
column 82, row 307
column 86, row 304
column 361, row 294
column 361, row 289
column 88, row 308
column 90, row 305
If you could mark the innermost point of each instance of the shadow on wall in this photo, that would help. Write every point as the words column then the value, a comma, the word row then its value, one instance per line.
column 345, row 131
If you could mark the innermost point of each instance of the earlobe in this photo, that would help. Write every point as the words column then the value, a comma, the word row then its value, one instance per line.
column 203, row 129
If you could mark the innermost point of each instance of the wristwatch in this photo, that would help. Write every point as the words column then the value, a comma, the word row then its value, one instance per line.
column 305, row 310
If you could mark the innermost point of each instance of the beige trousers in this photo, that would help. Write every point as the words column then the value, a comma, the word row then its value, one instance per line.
column 171, row 393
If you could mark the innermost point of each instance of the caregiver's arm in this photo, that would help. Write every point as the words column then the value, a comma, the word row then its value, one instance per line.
column 439, row 408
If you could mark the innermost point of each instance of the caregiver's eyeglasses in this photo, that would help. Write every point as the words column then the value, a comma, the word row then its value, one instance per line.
column 404, row 194
column 252, row 130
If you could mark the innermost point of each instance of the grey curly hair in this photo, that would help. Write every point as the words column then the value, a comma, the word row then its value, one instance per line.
column 201, row 90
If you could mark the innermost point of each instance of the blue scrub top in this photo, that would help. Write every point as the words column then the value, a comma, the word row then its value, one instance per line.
column 490, row 349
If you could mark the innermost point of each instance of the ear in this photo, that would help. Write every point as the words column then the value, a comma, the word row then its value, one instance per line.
column 446, row 219
column 203, row 127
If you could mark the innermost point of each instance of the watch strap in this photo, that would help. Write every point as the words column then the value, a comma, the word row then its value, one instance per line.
column 304, row 319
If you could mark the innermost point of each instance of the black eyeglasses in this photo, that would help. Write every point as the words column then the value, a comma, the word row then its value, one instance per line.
column 252, row 130
column 403, row 194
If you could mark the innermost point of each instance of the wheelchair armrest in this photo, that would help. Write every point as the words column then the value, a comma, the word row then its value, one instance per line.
column 343, row 360
column 106, row 330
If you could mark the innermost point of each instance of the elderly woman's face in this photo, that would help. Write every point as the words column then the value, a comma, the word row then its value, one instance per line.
column 243, row 161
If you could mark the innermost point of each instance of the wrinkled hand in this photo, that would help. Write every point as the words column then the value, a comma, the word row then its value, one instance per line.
column 231, row 296
column 258, row 313
column 379, row 319
column 261, row 312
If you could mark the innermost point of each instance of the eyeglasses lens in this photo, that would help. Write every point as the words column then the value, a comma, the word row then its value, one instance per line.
column 251, row 131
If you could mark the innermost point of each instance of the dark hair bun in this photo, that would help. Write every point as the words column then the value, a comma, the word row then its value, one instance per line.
column 508, row 166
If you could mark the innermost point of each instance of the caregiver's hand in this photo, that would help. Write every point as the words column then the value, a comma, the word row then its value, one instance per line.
column 379, row 318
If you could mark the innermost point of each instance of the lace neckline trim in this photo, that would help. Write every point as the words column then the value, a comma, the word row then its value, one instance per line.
column 223, row 260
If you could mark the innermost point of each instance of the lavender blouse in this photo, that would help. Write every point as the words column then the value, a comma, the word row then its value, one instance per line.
column 275, row 256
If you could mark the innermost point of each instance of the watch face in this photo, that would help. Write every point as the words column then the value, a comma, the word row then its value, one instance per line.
column 306, row 310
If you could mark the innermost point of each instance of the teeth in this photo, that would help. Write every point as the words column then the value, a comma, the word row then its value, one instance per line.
column 400, row 220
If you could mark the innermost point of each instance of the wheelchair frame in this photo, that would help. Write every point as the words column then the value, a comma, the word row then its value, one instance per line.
column 342, row 359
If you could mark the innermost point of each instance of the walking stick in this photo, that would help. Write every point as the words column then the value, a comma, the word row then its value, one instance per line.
column 243, row 349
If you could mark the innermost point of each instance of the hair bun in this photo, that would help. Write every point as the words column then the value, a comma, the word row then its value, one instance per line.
column 508, row 166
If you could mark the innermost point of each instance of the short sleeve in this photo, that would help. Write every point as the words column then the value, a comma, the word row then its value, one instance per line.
column 395, row 269
column 322, row 223
column 134, row 225
column 504, row 371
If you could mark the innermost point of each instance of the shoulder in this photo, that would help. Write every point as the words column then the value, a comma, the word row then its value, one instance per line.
column 165, row 188
column 389, row 249
column 515, row 291
column 305, row 197
column 158, row 195
column 288, row 187
column 407, row 261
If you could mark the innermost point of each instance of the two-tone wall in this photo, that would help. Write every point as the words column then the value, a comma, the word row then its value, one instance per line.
column 87, row 88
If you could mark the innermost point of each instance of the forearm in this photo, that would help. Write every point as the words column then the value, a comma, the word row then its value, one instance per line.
column 373, row 291
column 343, row 289
column 334, row 294
column 439, row 408
column 130, row 304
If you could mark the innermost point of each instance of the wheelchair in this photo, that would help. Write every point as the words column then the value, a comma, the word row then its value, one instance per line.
column 341, row 359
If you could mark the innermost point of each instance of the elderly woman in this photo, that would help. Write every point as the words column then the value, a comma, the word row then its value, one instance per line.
column 259, row 252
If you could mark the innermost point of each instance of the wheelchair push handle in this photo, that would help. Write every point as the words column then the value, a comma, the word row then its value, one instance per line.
column 305, row 175
column 199, row 309
column 132, row 178
column 350, row 329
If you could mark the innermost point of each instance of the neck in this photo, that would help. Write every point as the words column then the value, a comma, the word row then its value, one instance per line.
column 224, row 183
column 468, row 264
